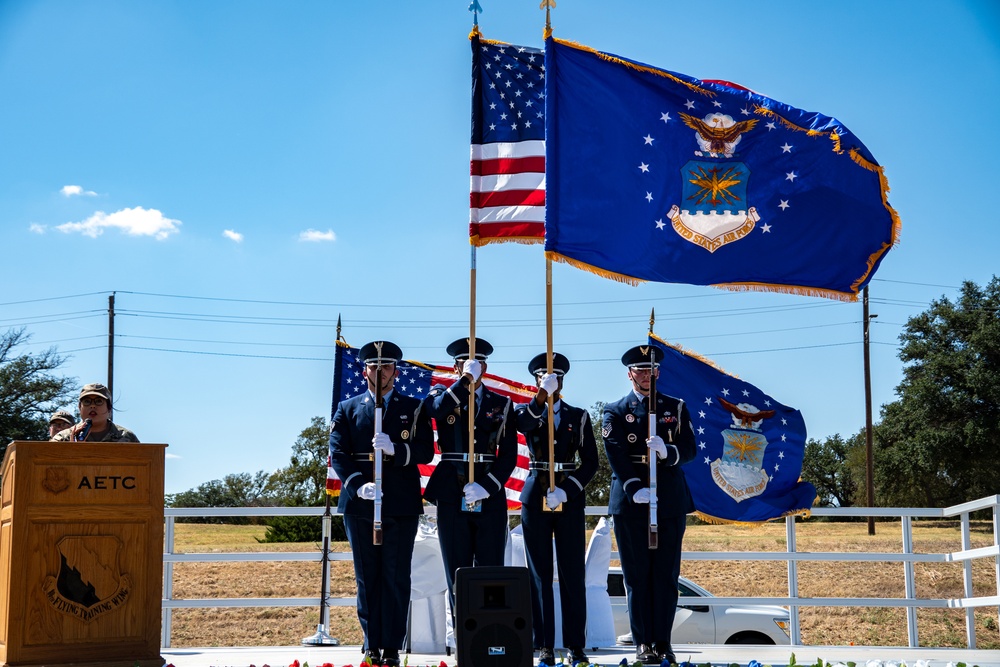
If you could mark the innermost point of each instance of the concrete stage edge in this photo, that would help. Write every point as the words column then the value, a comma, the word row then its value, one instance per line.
column 776, row 656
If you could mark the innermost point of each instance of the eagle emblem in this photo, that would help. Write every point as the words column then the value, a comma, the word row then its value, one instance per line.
column 714, row 209
column 740, row 471
column 718, row 134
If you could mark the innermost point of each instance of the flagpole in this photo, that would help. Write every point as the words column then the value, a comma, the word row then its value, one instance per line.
column 550, row 400
column 472, row 355
column 654, row 537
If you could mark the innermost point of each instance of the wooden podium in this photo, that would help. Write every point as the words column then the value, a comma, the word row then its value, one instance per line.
column 81, row 554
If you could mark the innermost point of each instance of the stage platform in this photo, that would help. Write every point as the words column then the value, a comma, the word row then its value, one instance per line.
column 776, row 656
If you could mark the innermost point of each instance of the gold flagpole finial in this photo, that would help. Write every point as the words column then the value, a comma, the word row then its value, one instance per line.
column 652, row 319
column 548, row 5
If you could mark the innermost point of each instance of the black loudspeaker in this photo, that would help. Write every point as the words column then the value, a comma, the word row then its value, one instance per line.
column 493, row 617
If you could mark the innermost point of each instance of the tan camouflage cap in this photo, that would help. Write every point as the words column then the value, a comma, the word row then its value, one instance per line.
column 62, row 415
column 96, row 389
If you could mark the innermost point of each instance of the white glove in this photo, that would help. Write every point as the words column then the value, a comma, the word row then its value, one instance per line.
column 555, row 497
column 367, row 491
column 382, row 442
column 550, row 383
column 641, row 496
column 473, row 368
column 474, row 493
column 656, row 444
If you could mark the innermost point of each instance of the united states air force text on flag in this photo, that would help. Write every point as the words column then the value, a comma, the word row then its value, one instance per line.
column 750, row 446
column 653, row 175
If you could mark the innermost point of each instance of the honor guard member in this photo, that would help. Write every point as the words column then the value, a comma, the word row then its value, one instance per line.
column 471, row 515
column 575, row 457
column 650, row 574
column 383, row 571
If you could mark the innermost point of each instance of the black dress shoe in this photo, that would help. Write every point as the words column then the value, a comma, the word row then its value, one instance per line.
column 665, row 652
column 374, row 656
column 390, row 657
column 547, row 657
column 645, row 654
column 577, row 655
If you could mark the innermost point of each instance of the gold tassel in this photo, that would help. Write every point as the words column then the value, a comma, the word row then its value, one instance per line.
column 638, row 68
column 342, row 343
column 475, row 32
column 604, row 273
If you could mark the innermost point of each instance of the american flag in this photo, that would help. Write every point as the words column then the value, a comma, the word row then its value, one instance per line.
column 416, row 379
column 507, row 189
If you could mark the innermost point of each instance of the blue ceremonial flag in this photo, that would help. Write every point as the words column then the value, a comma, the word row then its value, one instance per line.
column 750, row 446
column 653, row 175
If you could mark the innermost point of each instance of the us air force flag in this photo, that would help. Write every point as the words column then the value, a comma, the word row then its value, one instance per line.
column 653, row 175
column 750, row 447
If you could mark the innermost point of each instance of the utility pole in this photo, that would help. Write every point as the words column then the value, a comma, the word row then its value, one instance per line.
column 111, row 345
column 869, row 452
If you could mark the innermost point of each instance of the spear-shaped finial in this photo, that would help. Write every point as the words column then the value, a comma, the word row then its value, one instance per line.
column 475, row 8
column 548, row 5
column 652, row 319
column 338, row 326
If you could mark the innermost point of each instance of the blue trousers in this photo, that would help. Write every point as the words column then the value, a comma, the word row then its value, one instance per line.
column 383, row 576
column 469, row 539
column 569, row 530
column 650, row 574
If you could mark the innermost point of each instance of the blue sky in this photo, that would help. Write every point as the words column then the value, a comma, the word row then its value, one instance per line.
column 240, row 173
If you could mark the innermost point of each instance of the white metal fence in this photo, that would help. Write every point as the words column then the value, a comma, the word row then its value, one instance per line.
column 967, row 555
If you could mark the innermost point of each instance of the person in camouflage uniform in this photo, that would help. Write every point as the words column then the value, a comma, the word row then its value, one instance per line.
column 95, row 405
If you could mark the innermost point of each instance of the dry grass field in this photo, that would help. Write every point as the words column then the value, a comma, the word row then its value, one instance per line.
column 820, row 625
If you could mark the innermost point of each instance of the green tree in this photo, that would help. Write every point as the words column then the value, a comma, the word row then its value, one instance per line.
column 235, row 490
column 937, row 443
column 303, row 484
column 303, row 481
column 29, row 389
column 830, row 466
column 599, row 488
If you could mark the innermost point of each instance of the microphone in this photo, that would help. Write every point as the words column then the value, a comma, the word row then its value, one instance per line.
column 82, row 435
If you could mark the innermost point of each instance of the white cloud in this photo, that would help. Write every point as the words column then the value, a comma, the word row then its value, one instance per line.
column 76, row 190
column 136, row 221
column 233, row 235
column 36, row 228
column 172, row 456
column 315, row 236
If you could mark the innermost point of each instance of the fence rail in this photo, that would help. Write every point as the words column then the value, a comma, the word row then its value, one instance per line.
column 966, row 555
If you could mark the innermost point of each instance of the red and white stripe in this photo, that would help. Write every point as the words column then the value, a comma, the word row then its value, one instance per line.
column 507, row 192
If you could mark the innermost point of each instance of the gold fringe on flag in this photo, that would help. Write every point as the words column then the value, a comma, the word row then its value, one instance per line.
column 708, row 518
column 637, row 67
column 604, row 273
column 693, row 355
column 791, row 289
column 479, row 242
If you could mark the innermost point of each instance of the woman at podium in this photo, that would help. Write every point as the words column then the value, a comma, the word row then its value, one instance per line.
column 95, row 415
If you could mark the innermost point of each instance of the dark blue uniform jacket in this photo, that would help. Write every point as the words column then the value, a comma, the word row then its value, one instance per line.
column 496, row 435
column 408, row 426
column 625, row 428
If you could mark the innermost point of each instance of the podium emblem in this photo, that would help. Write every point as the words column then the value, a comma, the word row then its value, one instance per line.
column 90, row 583
column 56, row 479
